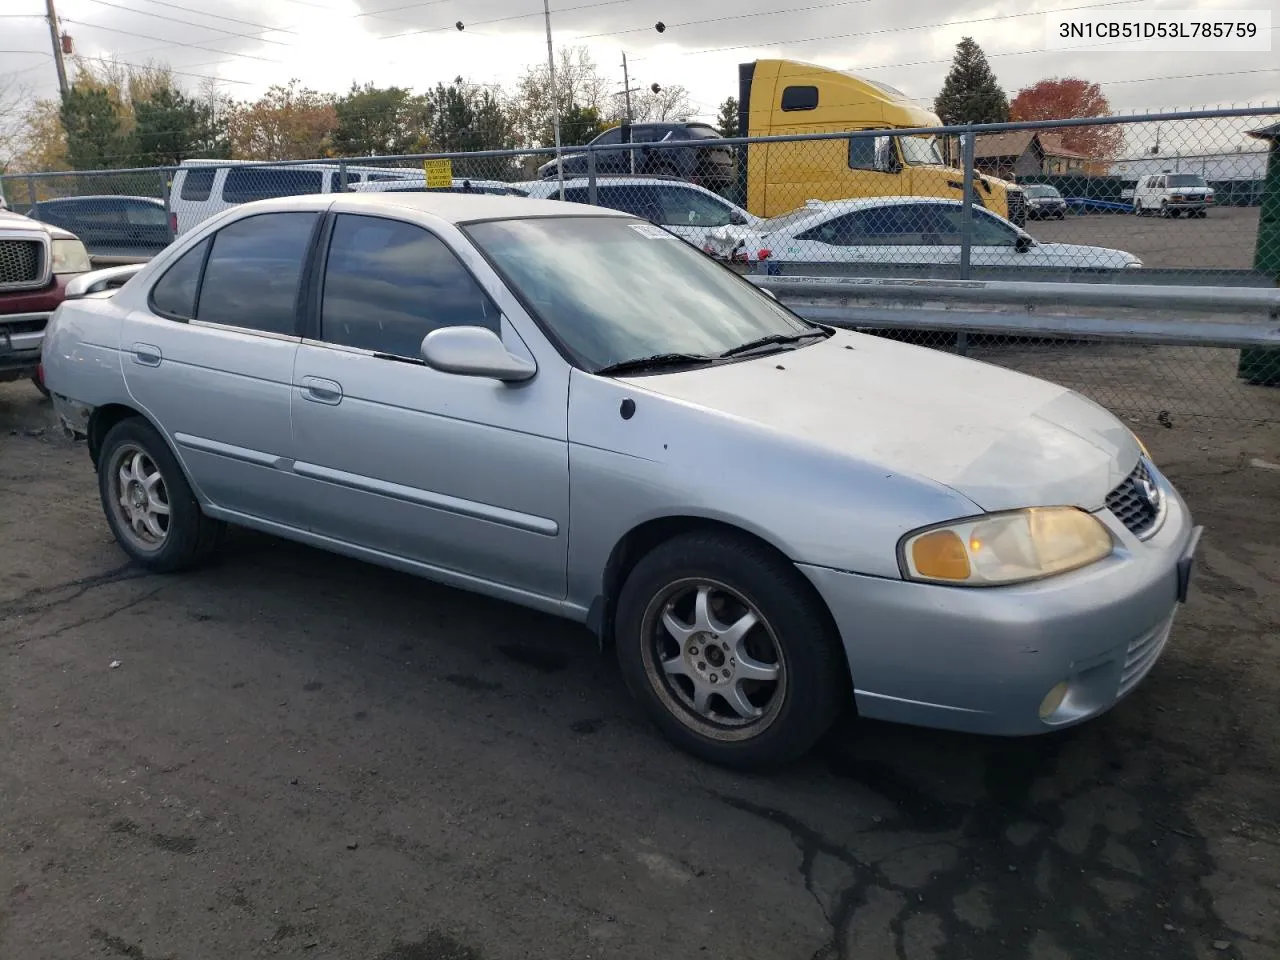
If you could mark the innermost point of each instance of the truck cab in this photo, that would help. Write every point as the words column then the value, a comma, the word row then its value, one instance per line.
column 780, row 97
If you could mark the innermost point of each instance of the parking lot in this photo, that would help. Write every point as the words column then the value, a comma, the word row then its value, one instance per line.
column 1223, row 240
column 291, row 754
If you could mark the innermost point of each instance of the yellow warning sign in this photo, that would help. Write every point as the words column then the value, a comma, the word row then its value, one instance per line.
column 439, row 172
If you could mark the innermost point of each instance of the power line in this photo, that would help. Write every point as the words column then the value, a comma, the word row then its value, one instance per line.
column 169, row 42
column 736, row 16
column 217, row 16
column 518, row 16
column 188, row 23
column 884, row 30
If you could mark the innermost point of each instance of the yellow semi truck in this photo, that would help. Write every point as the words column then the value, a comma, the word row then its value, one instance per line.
column 778, row 97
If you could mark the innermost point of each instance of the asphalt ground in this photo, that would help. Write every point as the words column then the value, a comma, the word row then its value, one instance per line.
column 292, row 754
column 1224, row 240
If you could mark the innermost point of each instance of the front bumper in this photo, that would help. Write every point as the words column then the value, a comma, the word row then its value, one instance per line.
column 23, row 318
column 982, row 660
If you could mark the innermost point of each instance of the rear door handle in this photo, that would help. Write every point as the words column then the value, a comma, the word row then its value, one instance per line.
column 320, row 390
column 147, row 354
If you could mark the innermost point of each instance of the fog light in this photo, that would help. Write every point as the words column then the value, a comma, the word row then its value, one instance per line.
column 1053, row 700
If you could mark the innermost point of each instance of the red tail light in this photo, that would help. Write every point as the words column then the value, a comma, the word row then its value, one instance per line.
column 764, row 254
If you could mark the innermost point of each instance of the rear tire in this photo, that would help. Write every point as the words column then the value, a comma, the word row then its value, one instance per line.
column 729, row 650
column 149, row 505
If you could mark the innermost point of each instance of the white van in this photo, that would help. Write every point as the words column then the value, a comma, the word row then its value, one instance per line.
column 202, row 188
column 1168, row 194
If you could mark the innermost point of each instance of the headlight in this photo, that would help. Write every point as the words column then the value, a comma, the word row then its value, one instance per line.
column 1005, row 547
column 70, row 256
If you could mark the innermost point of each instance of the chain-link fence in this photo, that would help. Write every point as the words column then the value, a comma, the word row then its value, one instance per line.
column 1157, row 199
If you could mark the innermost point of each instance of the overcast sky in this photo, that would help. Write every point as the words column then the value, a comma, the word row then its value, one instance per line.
column 327, row 44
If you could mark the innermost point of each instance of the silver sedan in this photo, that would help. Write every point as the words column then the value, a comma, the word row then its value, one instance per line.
column 567, row 408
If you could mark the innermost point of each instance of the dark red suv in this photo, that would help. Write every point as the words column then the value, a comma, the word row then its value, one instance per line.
column 36, row 262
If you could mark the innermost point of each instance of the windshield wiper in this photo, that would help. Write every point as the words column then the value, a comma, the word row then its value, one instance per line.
column 655, row 361
column 772, row 339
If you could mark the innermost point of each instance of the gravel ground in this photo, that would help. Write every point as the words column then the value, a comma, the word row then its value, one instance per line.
column 290, row 754
column 1223, row 240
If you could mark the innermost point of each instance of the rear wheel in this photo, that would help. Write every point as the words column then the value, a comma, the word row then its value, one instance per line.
column 729, row 650
column 149, row 505
column 1164, row 209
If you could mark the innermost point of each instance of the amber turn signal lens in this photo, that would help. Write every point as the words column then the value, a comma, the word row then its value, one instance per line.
column 941, row 556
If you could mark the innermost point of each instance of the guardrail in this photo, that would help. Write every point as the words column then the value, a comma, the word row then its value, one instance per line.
column 1134, row 348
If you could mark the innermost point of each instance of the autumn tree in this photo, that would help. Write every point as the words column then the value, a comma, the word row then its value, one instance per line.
column 578, row 84
column 379, row 121
column 727, row 120
column 971, row 93
column 288, row 122
column 1066, row 98
column 663, row 105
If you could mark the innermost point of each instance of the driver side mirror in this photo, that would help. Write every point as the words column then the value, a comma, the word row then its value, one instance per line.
column 474, row 352
column 1023, row 243
column 886, row 157
column 737, row 219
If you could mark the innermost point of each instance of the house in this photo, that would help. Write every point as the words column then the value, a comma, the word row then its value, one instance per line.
column 1026, row 153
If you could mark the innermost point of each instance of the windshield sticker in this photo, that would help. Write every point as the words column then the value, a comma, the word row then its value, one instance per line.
column 650, row 231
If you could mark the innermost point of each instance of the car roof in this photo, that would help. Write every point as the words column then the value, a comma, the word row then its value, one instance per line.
column 459, row 207
column 610, row 180
column 100, row 196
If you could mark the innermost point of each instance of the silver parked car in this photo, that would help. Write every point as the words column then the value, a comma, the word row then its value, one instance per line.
column 770, row 519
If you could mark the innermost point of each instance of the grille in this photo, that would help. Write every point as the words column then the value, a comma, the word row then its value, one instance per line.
column 1137, row 502
column 20, row 262
column 1142, row 656
column 1017, row 207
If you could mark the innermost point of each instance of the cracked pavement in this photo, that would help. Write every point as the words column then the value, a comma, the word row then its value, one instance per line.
column 302, row 756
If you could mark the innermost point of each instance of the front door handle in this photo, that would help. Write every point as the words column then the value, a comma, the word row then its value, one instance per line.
column 320, row 390
column 147, row 354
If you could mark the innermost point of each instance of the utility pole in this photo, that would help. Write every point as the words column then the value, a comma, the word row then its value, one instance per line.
column 626, row 83
column 555, row 93
column 55, row 33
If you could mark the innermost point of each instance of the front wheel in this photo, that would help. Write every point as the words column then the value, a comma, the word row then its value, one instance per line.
column 149, row 505
column 729, row 650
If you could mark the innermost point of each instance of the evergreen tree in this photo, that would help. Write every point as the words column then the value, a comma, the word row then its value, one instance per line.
column 727, row 121
column 971, row 93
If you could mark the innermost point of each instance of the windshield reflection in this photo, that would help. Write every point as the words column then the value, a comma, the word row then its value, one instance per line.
column 614, row 289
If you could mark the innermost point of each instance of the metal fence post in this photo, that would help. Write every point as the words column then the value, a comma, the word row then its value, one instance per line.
column 593, row 195
column 342, row 176
column 165, row 176
column 966, row 221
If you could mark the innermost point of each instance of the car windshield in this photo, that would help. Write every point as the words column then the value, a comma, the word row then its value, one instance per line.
column 920, row 151
column 614, row 289
column 1185, row 180
column 1041, row 190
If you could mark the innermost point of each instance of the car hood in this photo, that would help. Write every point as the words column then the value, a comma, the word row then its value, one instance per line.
column 1001, row 439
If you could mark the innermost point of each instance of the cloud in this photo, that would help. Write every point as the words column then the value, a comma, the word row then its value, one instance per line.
column 329, row 44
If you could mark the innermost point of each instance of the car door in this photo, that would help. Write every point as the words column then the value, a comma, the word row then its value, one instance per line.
column 211, row 362
column 459, row 474
column 146, row 225
column 890, row 234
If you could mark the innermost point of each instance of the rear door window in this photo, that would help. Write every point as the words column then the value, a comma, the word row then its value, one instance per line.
column 254, row 270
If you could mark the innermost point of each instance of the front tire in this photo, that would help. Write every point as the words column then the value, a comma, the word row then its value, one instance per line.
column 149, row 505
column 729, row 650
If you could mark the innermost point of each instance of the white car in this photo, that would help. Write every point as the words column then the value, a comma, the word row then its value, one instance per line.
column 1168, row 194
column 419, row 185
column 901, row 230
column 689, row 211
